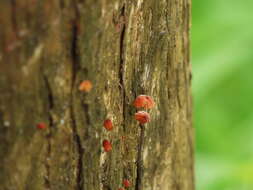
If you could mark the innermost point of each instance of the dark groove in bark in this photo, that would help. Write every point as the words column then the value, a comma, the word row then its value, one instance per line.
column 139, row 163
column 14, row 17
column 121, row 66
column 49, row 135
column 75, row 68
column 79, row 178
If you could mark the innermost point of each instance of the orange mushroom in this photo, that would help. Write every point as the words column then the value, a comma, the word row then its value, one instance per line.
column 107, row 146
column 41, row 125
column 126, row 183
column 144, row 101
column 85, row 86
column 142, row 116
column 108, row 124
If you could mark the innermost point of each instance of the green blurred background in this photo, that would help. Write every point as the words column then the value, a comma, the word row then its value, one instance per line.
column 222, row 59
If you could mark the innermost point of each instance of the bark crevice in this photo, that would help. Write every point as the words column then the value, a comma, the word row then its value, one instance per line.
column 49, row 135
column 139, row 162
column 14, row 17
column 80, row 151
column 75, row 68
column 121, row 65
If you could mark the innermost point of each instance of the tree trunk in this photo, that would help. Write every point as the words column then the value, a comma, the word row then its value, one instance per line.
column 125, row 48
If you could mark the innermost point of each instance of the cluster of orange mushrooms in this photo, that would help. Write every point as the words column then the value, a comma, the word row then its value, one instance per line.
column 141, row 102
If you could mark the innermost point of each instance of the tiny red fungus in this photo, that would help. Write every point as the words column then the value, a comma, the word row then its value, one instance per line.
column 126, row 183
column 41, row 125
column 142, row 116
column 107, row 146
column 85, row 86
column 144, row 101
column 108, row 124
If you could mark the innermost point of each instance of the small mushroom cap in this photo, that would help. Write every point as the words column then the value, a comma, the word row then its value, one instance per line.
column 41, row 125
column 108, row 124
column 126, row 183
column 142, row 116
column 144, row 101
column 107, row 146
column 85, row 86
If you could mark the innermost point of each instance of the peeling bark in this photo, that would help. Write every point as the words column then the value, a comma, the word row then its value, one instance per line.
column 125, row 48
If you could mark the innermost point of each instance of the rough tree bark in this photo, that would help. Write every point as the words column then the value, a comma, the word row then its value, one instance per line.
column 125, row 48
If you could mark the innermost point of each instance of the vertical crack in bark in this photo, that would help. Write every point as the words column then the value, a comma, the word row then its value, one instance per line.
column 121, row 66
column 79, row 178
column 122, row 24
column 75, row 67
column 122, row 88
column 139, row 163
column 14, row 17
column 49, row 135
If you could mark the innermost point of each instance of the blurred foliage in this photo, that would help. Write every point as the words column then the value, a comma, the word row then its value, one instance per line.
column 222, row 58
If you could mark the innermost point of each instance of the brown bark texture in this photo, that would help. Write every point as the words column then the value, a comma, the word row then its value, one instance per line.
column 125, row 48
